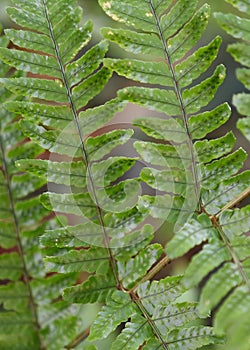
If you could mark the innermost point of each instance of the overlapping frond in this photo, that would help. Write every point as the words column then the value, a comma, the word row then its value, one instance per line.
column 199, row 176
column 168, row 31
column 32, row 309
column 238, row 27
column 107, row 236
column 165, row 324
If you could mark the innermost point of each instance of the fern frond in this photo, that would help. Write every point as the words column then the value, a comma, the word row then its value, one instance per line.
column 27, row 294
column 162, row 312
column 104, row 206
column 16, row 296
column 64, row 127
column 173, row 34
column 205, row 175
column 237, row 27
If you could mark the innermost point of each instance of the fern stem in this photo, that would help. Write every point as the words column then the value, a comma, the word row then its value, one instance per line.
column 244, row 194
column 151, row 273
column 78, row 339
column 83, row 148
column 235, row 258
column 182, row 107
column 26, row 276
column 151, row 322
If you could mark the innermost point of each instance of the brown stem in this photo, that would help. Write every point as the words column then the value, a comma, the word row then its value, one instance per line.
column 151, row 273
column 78, row 339
column 244, row 194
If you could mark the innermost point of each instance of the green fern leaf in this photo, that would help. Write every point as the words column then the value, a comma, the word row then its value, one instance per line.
column 211, row 256
column 239, row 297
column 209, row 299
column 193, row 337
column 243, row 124
column 64, row 237
column 119, row 308
column 239, row 217
column 132, row 243
column 58, row 172
column 27, row 294
column 238, row 27
column 207, row 150
column 91, row 87
column 225, row 167
column 132, row 271
column 31, row 62
column 134, row 335
column 109, row 170
column 17, row 333
column 100, row 146
column 79, row 204
column 38, row 88
column 163, row 180
column 200, row 95
column 161, row 129
column 124, row 222
column 201, row 124
column 175, row 315
column 132, row 41
column 11, row 302
column 162, row 154
column 217, row 198
column 199, row 178
column 148, row 292
column 154, row 99
column 54, row 116
column 234, row 25
column 75, row 261
column 86, row 233
column 10, row 266
column 96, row 288
column 194, row 232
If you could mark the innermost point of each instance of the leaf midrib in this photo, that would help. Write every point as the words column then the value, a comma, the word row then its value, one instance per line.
column 181, row 104
column 20, row 247
column 84, row 151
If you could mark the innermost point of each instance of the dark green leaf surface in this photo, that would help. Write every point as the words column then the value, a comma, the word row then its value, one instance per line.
column 38, row 88
column 193, row 337
column 208, row 150
column 75, row 261
column 194, row 232
column 154, row 99
column 224, row 168
column 140, row 43
column 136, row 268
column 119, row 308
column 100, row 146
column 146, row 72
column 211, row 256
column 73, row 173
column 223, row 280
column 96, row 288
column 134, row 334
column 217, row 198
